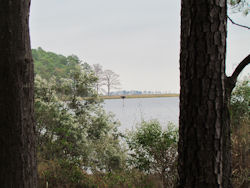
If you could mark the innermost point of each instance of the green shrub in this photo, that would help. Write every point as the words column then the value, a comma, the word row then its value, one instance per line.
column 154, row 150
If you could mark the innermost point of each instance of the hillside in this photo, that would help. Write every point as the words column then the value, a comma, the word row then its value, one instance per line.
column 48, row 64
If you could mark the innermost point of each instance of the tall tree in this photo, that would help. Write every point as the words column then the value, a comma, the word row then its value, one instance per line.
column 17, row 133
column 204, row 123
column 111, row 80
column 99, row 74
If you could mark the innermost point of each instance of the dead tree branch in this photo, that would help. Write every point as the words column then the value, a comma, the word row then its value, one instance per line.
column 237, row 23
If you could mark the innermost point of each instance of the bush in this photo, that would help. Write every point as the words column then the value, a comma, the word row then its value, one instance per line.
column 73, row 134
column 154, row 151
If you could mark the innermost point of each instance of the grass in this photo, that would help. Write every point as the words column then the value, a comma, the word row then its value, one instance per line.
column 139, row 96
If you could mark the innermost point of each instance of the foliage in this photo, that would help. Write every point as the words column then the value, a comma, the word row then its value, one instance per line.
column 75, row 134
column 239, row 6
column 240, row 101
column 59, row 135
column 48, row 64
column 154, row 151
column 240, row 115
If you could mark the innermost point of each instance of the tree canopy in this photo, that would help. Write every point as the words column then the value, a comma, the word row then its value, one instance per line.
column 48, row 64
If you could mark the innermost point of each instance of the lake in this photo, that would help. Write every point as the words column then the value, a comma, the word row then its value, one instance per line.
column 132, row 111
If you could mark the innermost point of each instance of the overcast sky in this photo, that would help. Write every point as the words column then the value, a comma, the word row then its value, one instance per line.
column 137, row 39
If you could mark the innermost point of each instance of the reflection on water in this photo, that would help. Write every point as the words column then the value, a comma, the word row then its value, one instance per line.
column 131, row 111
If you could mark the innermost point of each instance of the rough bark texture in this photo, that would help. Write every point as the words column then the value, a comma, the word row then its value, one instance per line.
column 17, row 134
column 204, row 144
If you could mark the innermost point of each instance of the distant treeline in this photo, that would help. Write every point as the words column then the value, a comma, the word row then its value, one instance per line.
column 136, row 92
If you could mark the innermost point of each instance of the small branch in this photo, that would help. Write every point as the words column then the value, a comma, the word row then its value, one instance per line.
column 237, row 23
column 231, row 81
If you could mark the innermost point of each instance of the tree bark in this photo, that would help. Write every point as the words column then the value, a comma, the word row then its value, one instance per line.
column 204, row 143
column 17, row 131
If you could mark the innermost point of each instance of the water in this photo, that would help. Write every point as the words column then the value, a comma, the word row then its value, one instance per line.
column 132, row 111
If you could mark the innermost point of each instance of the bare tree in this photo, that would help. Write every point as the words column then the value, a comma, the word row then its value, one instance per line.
column 99, row 74
column 17, row 131
column 111, row 80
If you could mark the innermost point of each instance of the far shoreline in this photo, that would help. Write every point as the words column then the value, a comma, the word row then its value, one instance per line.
column 139, row 96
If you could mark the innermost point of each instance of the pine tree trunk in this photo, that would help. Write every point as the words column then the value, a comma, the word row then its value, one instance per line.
column 17, row 132
column 204, row 144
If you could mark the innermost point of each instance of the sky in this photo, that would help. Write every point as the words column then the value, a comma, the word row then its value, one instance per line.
column 137, row 39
